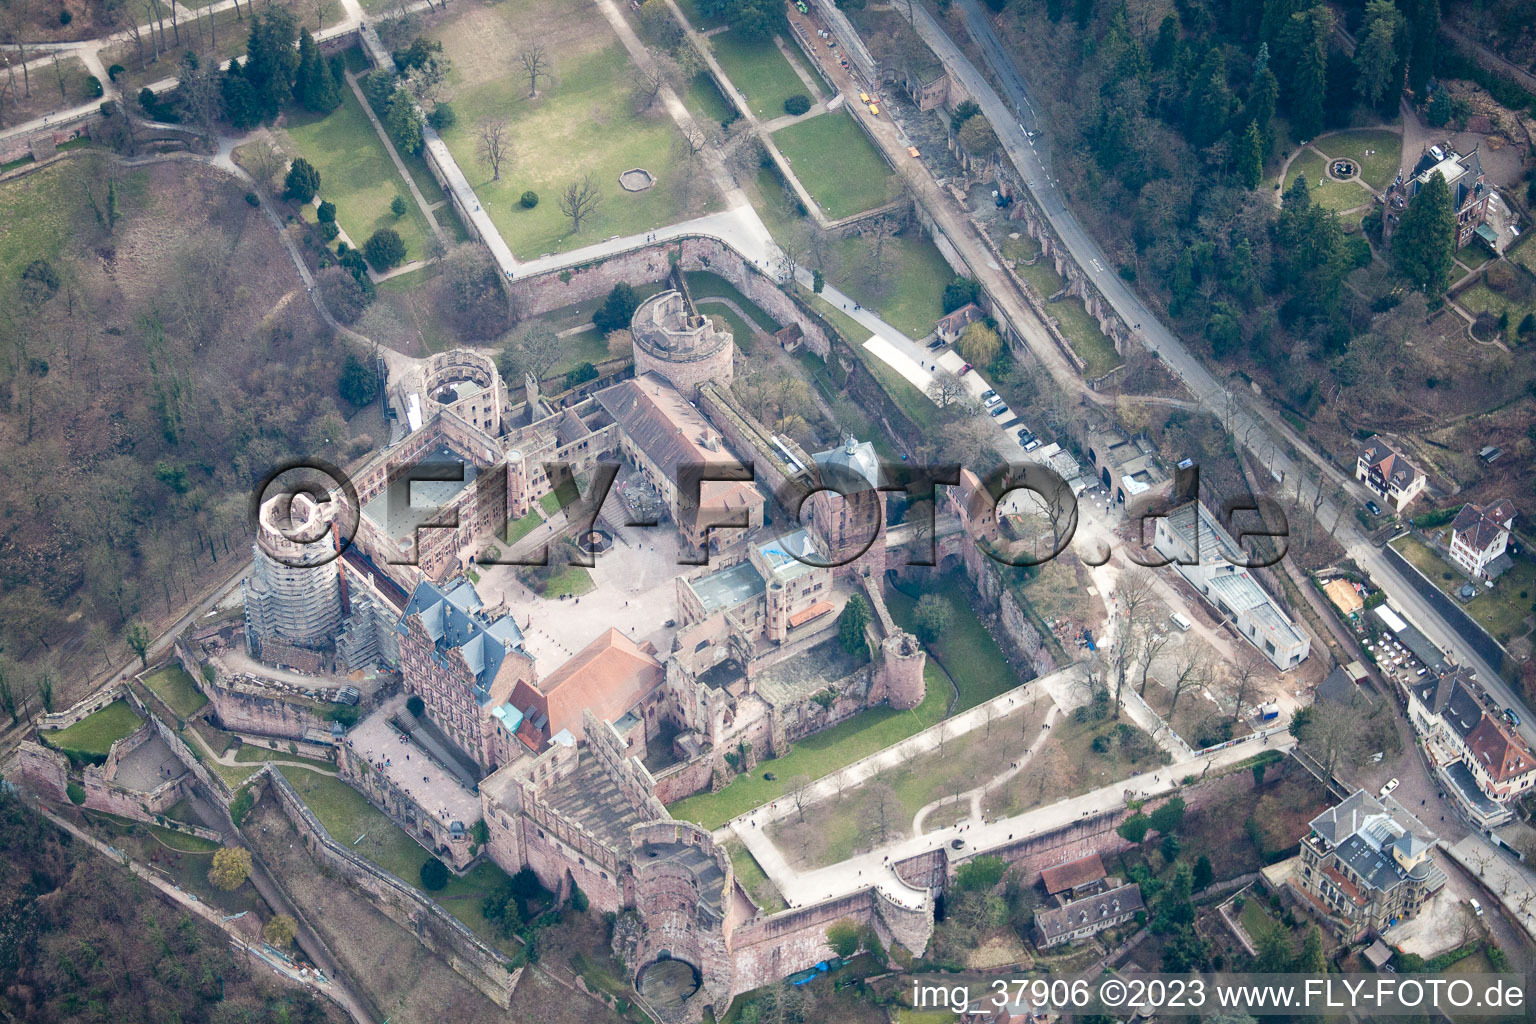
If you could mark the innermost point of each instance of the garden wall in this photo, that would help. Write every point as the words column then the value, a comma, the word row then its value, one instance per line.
column 433, row 926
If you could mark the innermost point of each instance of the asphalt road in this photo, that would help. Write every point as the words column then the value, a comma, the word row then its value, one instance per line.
column 1263, row 434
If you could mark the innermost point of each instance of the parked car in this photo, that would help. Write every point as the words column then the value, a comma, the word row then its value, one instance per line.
column 1025, row 436
column 964, row 370
column 936, row 343
column 1032, row 444
column 1477, row 908
column 991, row 401
column 989, row 393
column 1512, row 718
column 1388, row 788
column 1000, row 410
column 1373, row 508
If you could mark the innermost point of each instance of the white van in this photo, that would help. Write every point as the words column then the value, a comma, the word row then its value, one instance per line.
column 1181, row 620
column 1477, row 908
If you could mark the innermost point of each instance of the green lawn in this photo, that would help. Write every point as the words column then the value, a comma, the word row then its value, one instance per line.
column 1518, row 302
column 1385, row 147
column 703, row 100
column 517, row 529
column 357, row 174
column 41, row 210
column 817, row 755
column 96, row 732
column 759, row 71
column 698, row 19
column 569, row 581
column 750, row 874
column 1335, row 195
column 918, row 407
column 550, row 503
column 172, row 685
column 705, row 285
column 255, row 753
column 836, row 163
column 1501, row 610
column 966, row 650
column 1080, row 329
column 583, row 124
column 911, row 296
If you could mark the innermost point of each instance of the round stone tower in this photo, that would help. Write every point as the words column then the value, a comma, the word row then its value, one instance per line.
column 294, row 591
column 900, row 672
column 675, row 341
column 517, row 485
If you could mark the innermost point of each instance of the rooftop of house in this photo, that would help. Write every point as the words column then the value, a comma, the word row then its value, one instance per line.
column 1499, row 750
column 1072, row 874
column 672, row 434
column 791, row 556
column 1481, row 526
column 1374, row 845
column 953, row 323
column 609, row 676
column 1056, row 921
column 727, row 587
column 453, row 619
column 1393, row 466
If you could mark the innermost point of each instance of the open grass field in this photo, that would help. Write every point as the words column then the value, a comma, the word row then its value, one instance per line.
column 1081, row 330
column 1502, row 610
column 703, row 100
column 836, row 162
column 1377, row 152
column 40, row 210
column 759, row 70
column 172, row 685
column 583, row 122
column 836, row 829
column 47, row 95
column 254, row 753
column 1068, row 765
column 96, row 732
column 357, row 174
column 911, row 295
column 1334, row 195
column 817, row 755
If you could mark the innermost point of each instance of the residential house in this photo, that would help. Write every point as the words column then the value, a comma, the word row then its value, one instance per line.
column 1075, row 920
column 952, row 325
column 1481, row 760
column 1470, row 190
column 1388, row 473
column 1479, row 537
column 1362, row 869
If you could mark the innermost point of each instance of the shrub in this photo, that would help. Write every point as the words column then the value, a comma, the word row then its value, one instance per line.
column 344, row 295
column 384, row 249
column 579, row 901
column 326, row 212
column 530, row 199
column 279, row 931
column 843, row 936
column 434, row 875
column 241, row 805
column 65, row 17
column 617, row 310
column 580, row 374
column 114, row 71
column 397, row 206
column 415, row 705
column 797, row 104
column 959, row 292
column 981, row 874
column 442, row 118
column 252, row 199
column 92, row 86
column 76, row 793
column 231, row 867
column 328, row 230
column 301, row 182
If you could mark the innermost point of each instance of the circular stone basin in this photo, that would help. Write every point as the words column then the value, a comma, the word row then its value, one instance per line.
column 1343, row 168
column 636, row 179
column 667, row 983
column 599, row 539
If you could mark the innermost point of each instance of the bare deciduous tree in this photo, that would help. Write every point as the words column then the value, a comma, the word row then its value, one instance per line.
column 1246, row 670
column 651, row 77
column 580, row 200
column 1189, row 669
column 878, row 255
column 264, row 161
column 533, row 349
column 492, row 143
column 534, row 58
column 945, row 389
column 799, row 793
column 321, row 10
column 881, row 811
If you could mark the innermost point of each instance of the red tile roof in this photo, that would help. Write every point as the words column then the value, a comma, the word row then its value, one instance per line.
column 1502, row 754
column 610, row 675
column 1073, row 874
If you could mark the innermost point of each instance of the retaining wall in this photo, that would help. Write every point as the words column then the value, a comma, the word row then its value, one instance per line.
column 433, row 926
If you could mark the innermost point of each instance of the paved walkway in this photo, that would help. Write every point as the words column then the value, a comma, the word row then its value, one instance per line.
column 803, row 888
column 974, row 797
